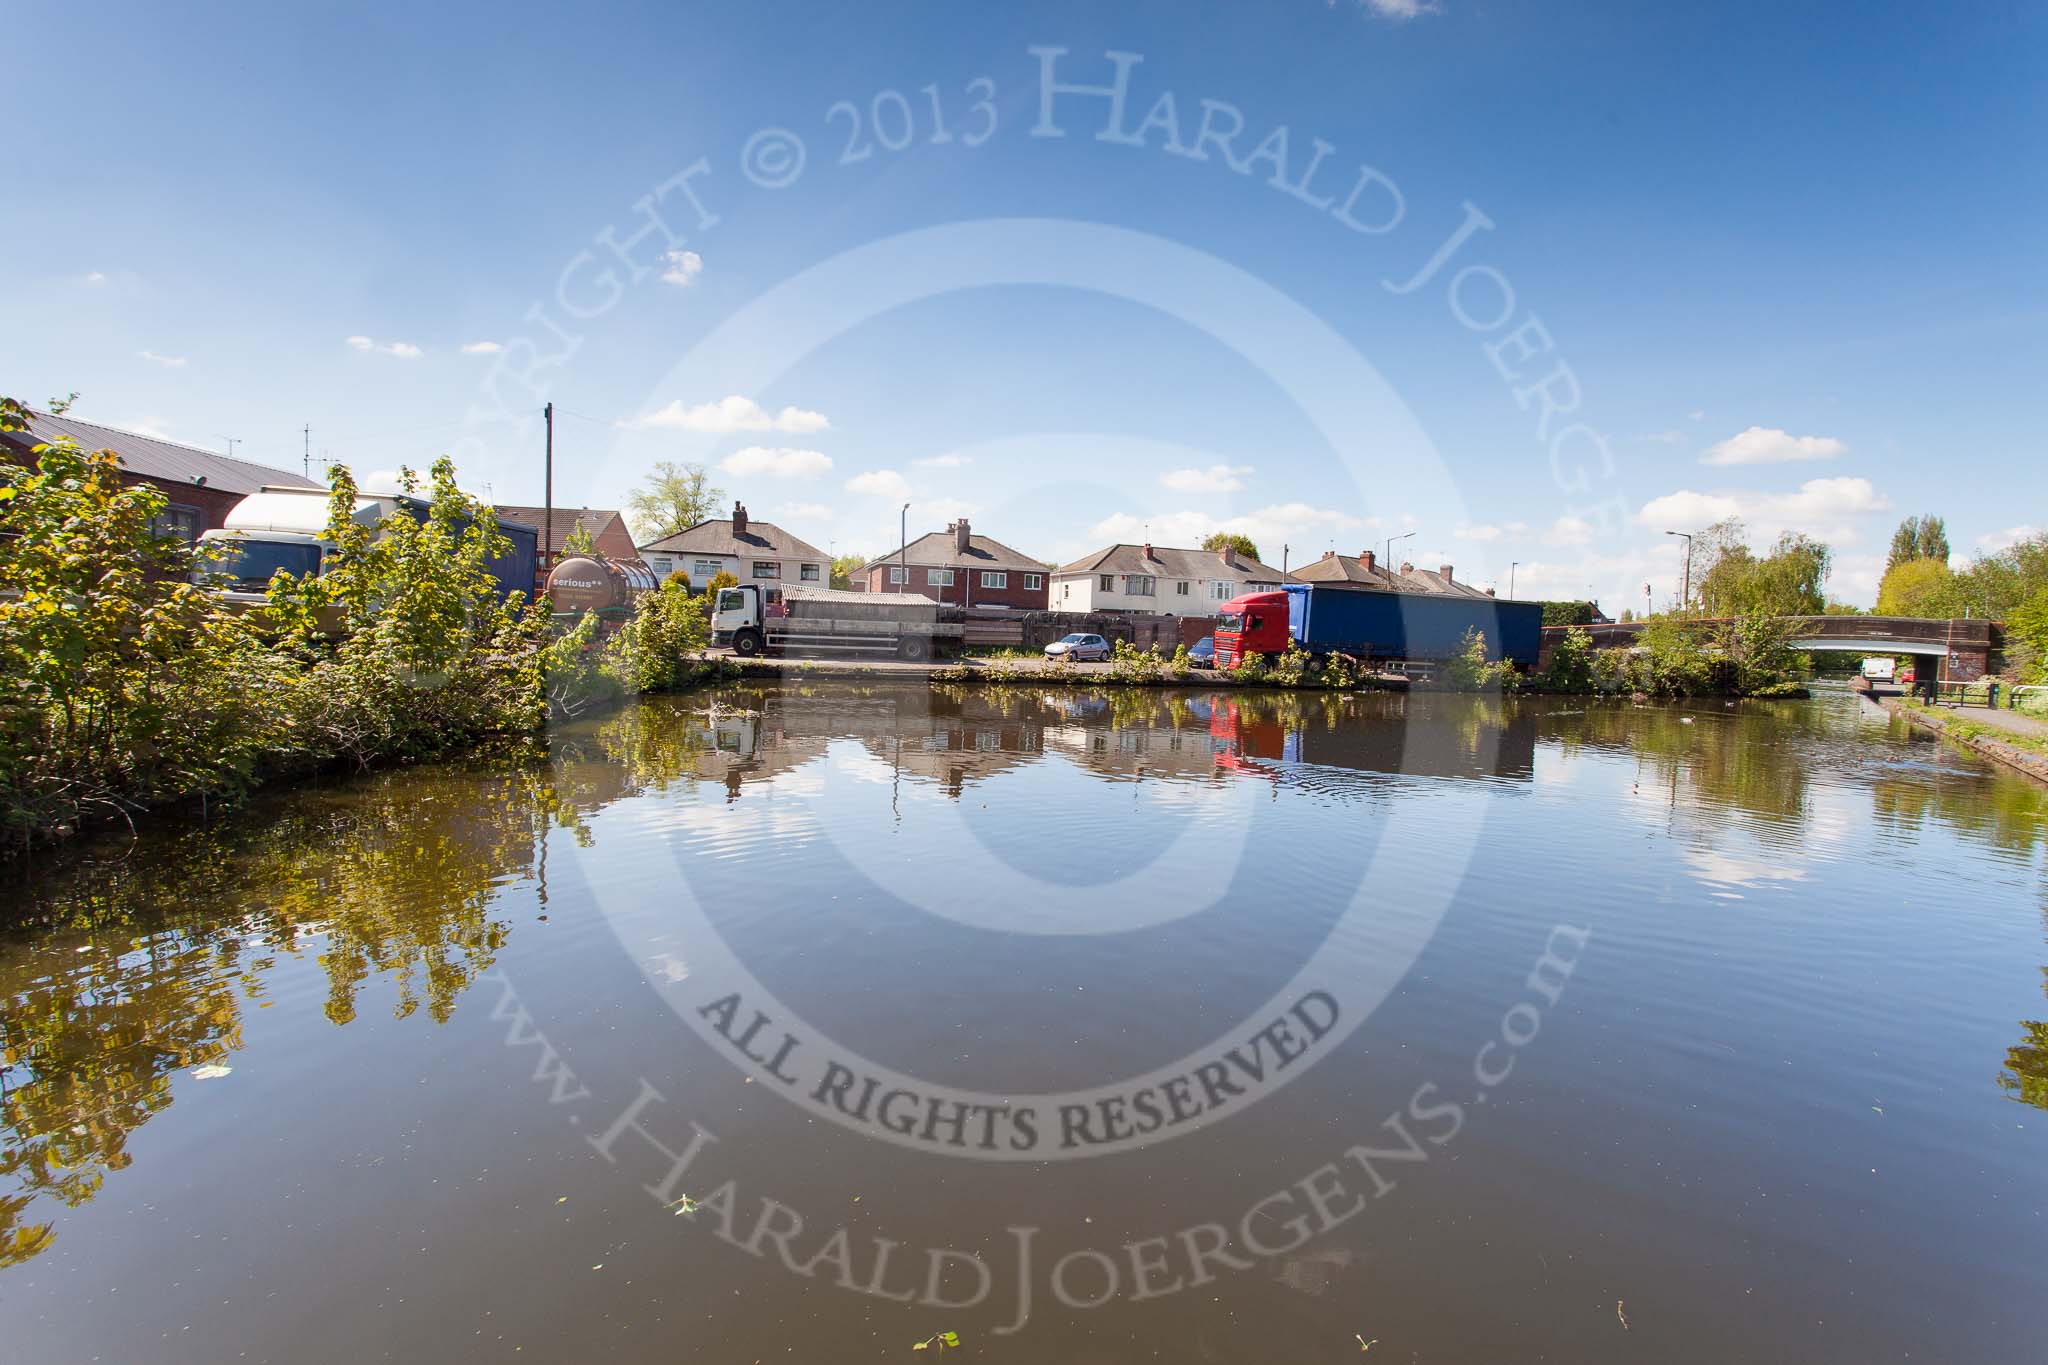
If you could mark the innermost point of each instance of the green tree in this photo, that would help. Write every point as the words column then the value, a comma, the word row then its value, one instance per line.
column 1917, row 587
column 1789, row 581
column 580, row 541
column 1918, row 537
column 844, row 567
column 721, row 579
column 1240, row 543
column 674, row 498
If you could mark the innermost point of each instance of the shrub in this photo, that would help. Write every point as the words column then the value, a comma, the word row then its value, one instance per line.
column 1129, row 664
column 1571, row 664
column 1469, row 670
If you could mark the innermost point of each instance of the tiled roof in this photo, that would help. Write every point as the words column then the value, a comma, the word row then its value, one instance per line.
column 160, row 459
column 565, row 520
column 1167, row 562
column 935, row 548
column 717, row 538
column 1336, row 568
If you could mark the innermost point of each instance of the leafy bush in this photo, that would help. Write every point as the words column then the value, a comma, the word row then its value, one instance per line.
column 1469, row 670
column 1571, row 664
column 1129, row 664
column 1291, row 669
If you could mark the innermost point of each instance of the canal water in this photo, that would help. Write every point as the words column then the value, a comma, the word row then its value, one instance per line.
column 811, row 1023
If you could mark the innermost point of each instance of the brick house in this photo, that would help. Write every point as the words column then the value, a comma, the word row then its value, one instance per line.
column 1157, row 578
column 1366, row 570
column 203, row 487
column 751, row 551
column 609, row 533
column 957, row 566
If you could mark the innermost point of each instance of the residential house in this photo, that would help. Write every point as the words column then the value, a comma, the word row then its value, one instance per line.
column 1155, row 578
column 203, row 487
column 609, row 534
column 751, row 551
column 957, row 566
column 1365, row 570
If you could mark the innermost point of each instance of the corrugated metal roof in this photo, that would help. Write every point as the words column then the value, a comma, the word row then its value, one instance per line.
column 865, row 599
column 161, row 459
column 716, row 538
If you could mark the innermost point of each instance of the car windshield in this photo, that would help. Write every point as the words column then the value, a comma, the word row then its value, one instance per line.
column 251, row 563
column 732, row 599
column 1230, row 622
column 1076, row 640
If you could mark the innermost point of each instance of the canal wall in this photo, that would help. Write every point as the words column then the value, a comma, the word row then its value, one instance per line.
column 1962, row 730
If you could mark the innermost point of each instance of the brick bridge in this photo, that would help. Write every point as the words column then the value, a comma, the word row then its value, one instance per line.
column 1965, row 648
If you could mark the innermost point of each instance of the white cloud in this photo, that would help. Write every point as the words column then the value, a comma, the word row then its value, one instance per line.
column 680, row 267
column 932, row 511
column 947, row 461
column 776, row 462
column 1991, row 542
column 734, row 412
column 1826, row 508
column 1698, row 415
column 1569, row 530
column 880, row 483
column 1402, row 9
column 1478, row 533
column 404, row 350
column 95, row 277
column 1217, row 478
column 806, row 511
column 481, row 348
column 1770, row 445
column 175, row 362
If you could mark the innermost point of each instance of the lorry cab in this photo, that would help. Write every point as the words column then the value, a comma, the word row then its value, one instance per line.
column 1253, row 623
column 736, row 619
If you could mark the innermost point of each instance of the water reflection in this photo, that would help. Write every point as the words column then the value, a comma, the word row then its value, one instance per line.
column 130, row 966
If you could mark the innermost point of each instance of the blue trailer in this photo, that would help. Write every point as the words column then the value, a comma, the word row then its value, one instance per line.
column 1342, row 618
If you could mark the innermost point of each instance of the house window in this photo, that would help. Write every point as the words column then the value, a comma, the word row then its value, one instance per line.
column 897, row 573
column 1109, row 582
column 1181, row 588
column 178, row 519
column 767, row 568
column 1140, row 585
column 1033, row 582
column 706, row 569
column 994, row 580
column 1220, row 590
column 939, row 578
column 808, row 573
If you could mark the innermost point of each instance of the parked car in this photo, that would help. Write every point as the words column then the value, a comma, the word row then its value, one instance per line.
column 1202, row 653
column 1078, row 647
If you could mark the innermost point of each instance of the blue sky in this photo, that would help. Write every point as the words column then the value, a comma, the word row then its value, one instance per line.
column 1789, row 258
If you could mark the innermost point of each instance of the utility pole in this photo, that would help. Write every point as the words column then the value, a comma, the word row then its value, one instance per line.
column 1685, row 602
column 1283, row 561
column 309, row 450
column 1390, row 552
column 547, row 514
column 1511, row 578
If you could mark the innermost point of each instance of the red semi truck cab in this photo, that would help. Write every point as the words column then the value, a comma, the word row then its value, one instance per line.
column 1255, row 623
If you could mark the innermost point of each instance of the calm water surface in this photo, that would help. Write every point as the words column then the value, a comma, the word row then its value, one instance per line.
column 418, row 1067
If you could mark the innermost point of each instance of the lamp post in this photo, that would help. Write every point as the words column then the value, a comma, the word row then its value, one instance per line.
column 1516, row 564
column 903, row 550
column 1685, row 601
column 1390, row 550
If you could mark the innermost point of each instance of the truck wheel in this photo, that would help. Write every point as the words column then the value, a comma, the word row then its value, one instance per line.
column 913, row 649
column 747, row 643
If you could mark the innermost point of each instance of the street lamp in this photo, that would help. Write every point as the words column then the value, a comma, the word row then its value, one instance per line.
column 1511, row 578
column 903, row 551
column 1686, row 600
column 1390, row 550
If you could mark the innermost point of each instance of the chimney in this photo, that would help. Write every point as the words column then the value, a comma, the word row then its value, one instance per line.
column 1490, row 592
column 1406, row 568
column 1445, row 570
column 1365, row 562
column 1228, row 554
column 959, row 530
column 739, row 518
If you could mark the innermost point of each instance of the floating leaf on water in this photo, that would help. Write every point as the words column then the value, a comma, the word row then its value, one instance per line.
column 212, row 1071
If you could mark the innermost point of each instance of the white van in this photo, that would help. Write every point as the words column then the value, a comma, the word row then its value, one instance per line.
column 1880, row 668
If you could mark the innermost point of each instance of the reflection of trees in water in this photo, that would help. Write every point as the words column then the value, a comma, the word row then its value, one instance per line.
column 1746, row 758
column 391, row 877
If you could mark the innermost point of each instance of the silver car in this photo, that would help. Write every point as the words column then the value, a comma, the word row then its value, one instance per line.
column 1077, row 647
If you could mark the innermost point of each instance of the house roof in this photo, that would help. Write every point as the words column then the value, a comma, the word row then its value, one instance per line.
column 157, row 458
column 1338, row 568
column 717, row 538
column 935, row 548
column 1167, row 562
column 564, row 520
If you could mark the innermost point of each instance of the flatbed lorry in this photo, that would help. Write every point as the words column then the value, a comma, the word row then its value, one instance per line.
column 831, row 621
